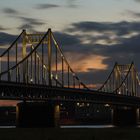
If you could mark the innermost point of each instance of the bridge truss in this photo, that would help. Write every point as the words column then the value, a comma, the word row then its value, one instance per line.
column 37, row 59
column 123, row 80
column 34, row 67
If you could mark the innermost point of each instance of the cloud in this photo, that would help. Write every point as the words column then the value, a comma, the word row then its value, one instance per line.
column 94, row 77
column 86, row 62
column 72, row 3
column 10, row 11
column 93, row 60
column 3, row 28
column 137, row 0
column 126, row 46
column 26, row 26
column 69, row 3
column 6, row 38
column 132, row 14
column 120, row 28
column 66, row 39
column 30, row 23
column 126, row 35
column 46, row 6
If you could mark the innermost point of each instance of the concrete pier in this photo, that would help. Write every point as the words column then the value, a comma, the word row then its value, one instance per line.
column 125, row 116
column 37, row 114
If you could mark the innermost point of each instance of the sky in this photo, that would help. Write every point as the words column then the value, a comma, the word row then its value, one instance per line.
column 93, row 34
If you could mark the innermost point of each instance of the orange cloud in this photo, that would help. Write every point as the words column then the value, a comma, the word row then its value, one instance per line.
column 94, row 86
column 83, row 63
column 90, row 62
column 80, row 63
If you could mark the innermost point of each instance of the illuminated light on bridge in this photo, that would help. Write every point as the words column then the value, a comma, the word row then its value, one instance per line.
column 44, row 67
column 97, row 111
column 35, row 48
column 31, row 80
column 123, row 80
column 107, row 105
column 34, row 69
column 56, row 77
column 119, row 92
column 78, row 104
column 88, row 104
column 42, row 73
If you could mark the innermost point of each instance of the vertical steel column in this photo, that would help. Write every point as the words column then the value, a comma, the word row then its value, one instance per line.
column 135, row 83
column 68, row 77
column 0, row 66
column 24, row 55
column 49, row 57
column 110, row 83
column 79, row 84
column 18, row 74
column 113, row 82
column 116, row 77
column 137, row 86
column 73, row 80
column 133, row 80
column 62, row 71
column 42, row 51
column 129, row 84
column 16, row 61
column 31, row 80
column 35, row 67
column 27, row 73
column 56, row 65
column 119, row 79
column 127, row 88
column 38, row 73
column 8, row 65
column 45, row 76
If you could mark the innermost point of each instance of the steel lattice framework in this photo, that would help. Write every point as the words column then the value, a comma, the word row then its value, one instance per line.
column 37, row 59
column 122, row 80
column 34, row 67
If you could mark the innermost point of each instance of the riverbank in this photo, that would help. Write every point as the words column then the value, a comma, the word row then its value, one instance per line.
column 70, row 134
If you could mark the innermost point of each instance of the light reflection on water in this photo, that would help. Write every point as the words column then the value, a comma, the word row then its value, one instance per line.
column 7, row 126
column 87, row 126
column 74, row 126
column 80, row 126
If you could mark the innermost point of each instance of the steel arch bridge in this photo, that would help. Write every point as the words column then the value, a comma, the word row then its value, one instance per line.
column 35, row 68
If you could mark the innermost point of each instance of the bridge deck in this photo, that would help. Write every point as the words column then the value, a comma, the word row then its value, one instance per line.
column 32, row 92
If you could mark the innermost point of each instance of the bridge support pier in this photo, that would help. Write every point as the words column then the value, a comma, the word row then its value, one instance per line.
column 123, row 116
column 38, row 114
